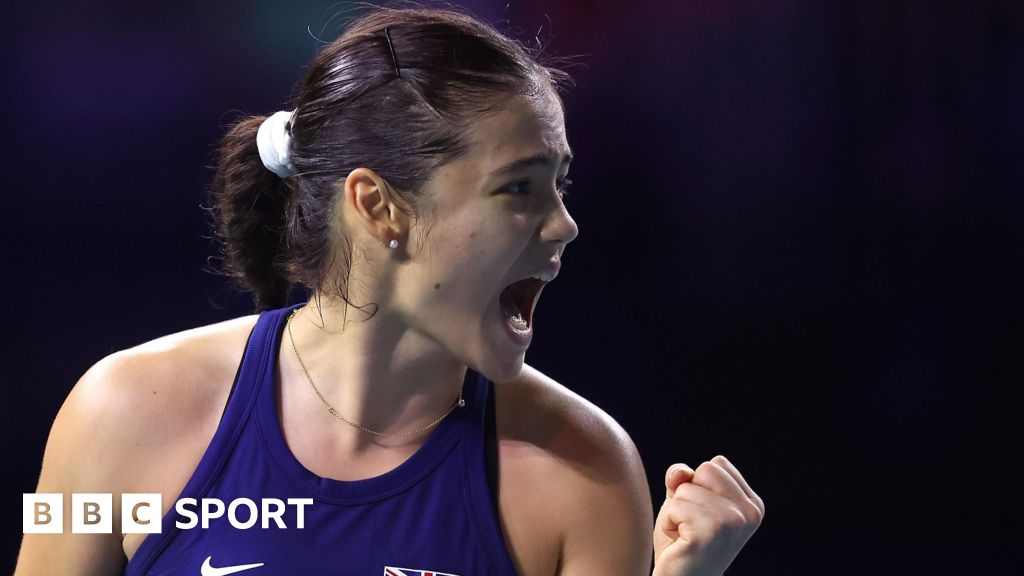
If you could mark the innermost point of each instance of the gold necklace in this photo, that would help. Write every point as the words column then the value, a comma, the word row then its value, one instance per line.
column 459, row 403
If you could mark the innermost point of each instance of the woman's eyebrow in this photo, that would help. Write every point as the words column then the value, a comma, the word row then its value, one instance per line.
column 529, row 161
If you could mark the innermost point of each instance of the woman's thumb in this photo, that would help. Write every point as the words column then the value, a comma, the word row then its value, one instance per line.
column 676, row 475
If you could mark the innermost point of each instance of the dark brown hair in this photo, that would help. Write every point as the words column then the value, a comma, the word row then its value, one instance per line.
column 402, row 116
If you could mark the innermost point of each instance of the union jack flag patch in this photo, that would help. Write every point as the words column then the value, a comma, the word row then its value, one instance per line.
column 392, row 571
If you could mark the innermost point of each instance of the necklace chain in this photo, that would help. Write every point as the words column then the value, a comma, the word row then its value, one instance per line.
column 334, row 411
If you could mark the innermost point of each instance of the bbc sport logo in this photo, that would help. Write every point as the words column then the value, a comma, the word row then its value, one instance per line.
column 92, row 513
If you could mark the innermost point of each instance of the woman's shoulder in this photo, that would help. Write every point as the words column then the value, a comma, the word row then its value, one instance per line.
column 569, row 474
column 537, row 410
column 139, row 407
column 179, row 374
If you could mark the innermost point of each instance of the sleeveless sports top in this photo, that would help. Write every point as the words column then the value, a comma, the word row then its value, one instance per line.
column 432, row 515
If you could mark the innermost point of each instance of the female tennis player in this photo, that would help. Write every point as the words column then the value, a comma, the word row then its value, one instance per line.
column 388, row 424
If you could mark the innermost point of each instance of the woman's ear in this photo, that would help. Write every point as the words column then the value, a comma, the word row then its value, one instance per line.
column 368, row 205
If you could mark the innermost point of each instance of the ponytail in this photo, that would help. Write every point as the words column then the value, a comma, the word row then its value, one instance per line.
column 250, row 205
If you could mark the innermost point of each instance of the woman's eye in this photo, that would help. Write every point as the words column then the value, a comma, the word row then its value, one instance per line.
column 563, row 187
column 518, row 188
column 523, row 188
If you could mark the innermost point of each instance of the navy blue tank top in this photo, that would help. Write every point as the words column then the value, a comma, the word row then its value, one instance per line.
column 433, row 514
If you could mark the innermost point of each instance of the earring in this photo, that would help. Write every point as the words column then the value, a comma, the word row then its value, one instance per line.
column 393, row 244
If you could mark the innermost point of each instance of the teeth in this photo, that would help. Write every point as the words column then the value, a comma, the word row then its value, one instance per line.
column 518, row 322
column 544, row 276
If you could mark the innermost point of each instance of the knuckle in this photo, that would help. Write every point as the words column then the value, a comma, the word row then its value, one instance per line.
column 734, row 520
column 759, row 504
column 757, row 514
column 693, row 541
column 703, row 471
column 750, row 522
column 684, row 492
column 755, row 518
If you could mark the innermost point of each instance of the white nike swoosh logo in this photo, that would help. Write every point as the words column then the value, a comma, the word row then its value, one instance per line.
column 208, row 570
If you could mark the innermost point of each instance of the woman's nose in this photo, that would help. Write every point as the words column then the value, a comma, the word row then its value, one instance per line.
column 559, row 226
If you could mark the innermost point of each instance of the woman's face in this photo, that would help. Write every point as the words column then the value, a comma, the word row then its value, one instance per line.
column 489, row 220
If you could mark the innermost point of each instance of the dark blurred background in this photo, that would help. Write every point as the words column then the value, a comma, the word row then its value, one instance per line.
column 800, row 241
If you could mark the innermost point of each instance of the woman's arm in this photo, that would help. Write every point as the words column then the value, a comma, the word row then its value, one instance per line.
column 574, row 476
column 609, row 530
column 706, row 519
column 137, row 422
column 81, row 457
column 573, row 492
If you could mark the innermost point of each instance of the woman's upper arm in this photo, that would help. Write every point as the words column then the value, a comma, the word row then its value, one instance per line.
column 86, row 452
column 574, row 479
column 610, row 519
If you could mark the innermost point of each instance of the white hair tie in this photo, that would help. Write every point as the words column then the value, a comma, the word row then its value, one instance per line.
column 274, row 144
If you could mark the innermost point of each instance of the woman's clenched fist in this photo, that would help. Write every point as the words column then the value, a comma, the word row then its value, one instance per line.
column 707, row 517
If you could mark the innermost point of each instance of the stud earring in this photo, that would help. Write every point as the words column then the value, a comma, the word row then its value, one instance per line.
column 393, row 244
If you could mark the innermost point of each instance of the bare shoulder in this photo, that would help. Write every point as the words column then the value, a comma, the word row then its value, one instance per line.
column 138, row 420
column 569, row 474
column 538, row 412
column 135, row 404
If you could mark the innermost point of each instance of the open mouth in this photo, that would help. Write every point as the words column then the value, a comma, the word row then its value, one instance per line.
column 518, row 301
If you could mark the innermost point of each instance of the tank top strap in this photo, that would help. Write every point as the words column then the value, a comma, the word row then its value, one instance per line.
column 256, row 360
column 239, row 409
column 480, row 454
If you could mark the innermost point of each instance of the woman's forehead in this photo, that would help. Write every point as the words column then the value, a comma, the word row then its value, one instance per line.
column 525, row 131
column 524, row 127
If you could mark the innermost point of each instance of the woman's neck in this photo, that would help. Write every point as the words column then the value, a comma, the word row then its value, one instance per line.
column 377, row 371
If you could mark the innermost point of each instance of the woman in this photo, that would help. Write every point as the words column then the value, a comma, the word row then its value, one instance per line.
column 416, row 191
